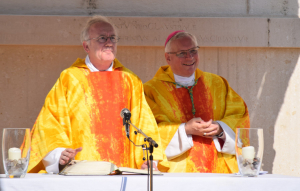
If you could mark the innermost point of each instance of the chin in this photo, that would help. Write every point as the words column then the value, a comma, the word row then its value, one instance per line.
column 108, row 58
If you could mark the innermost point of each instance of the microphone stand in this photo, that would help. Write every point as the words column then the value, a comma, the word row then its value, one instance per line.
column 152, row 144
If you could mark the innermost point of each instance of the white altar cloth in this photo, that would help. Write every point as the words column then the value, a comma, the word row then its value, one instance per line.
column 168, row 181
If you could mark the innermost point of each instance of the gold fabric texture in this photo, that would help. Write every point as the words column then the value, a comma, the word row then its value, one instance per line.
column 213, row 99
column 83, row 110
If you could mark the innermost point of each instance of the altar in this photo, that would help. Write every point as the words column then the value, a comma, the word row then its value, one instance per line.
column 167, row 181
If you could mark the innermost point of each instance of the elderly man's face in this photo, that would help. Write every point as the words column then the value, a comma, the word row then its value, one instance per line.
column 101, row 51
column 187, row 65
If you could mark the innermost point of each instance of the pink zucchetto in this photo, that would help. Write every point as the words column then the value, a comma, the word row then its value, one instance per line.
column 171, row 35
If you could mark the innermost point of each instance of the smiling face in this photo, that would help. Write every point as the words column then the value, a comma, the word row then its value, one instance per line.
column 185, row 66
column 101, row 54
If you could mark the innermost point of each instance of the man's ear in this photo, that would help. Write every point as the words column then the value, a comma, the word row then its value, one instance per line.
column 86, row 46
column 168, row 58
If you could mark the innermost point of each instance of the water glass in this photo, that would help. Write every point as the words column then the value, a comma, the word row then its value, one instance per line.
column 16, row 151
column 249, row 146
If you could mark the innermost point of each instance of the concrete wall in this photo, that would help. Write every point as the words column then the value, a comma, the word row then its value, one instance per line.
column 264, row 70
column 155, row 8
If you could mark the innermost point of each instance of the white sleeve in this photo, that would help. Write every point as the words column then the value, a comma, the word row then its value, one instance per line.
column 180, row 143
column 51, row 160
column 229, row 142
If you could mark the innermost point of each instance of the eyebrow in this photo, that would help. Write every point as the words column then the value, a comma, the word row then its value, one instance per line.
column 187, row 49
column 106, row 35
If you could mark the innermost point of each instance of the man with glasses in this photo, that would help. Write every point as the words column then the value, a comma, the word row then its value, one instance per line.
column 197, row 112
column 81, row 114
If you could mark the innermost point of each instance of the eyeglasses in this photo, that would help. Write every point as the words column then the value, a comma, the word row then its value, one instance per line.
column 113, row 39
column 184, row 53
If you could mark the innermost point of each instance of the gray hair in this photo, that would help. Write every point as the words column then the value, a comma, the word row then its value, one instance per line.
column 178, row 36
column 84, row 36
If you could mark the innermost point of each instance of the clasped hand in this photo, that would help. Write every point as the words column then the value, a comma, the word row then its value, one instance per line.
column 197, row 126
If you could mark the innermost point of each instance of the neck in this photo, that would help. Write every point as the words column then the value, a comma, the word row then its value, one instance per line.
column 184, row 77
column 185, row 81
column 101, row 65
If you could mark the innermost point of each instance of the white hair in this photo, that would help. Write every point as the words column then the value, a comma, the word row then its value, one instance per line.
column 178, row 36
column 95, row 19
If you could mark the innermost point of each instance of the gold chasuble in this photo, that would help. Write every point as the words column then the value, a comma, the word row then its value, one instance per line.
column 213, row 99
column 83, row 110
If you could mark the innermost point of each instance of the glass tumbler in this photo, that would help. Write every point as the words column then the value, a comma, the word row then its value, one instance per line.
column 249, row 146
column 16, row 151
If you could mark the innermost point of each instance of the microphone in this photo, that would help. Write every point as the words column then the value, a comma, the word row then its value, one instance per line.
column 125, row 114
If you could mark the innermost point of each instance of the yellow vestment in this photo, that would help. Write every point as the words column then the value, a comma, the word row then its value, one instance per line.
column 83, row 110
column 213, row 99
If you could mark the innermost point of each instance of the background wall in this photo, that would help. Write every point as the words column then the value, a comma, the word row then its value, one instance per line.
column 265, row 76
column 156, row 8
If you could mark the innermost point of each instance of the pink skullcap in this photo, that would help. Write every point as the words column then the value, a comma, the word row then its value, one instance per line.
column 171, row 35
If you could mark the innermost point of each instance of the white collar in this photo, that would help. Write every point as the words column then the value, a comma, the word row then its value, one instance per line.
column 93, row 68
column 185, row 81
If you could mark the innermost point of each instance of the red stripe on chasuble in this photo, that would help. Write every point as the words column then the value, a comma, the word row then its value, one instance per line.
column 110, row 94
column 202, row 157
